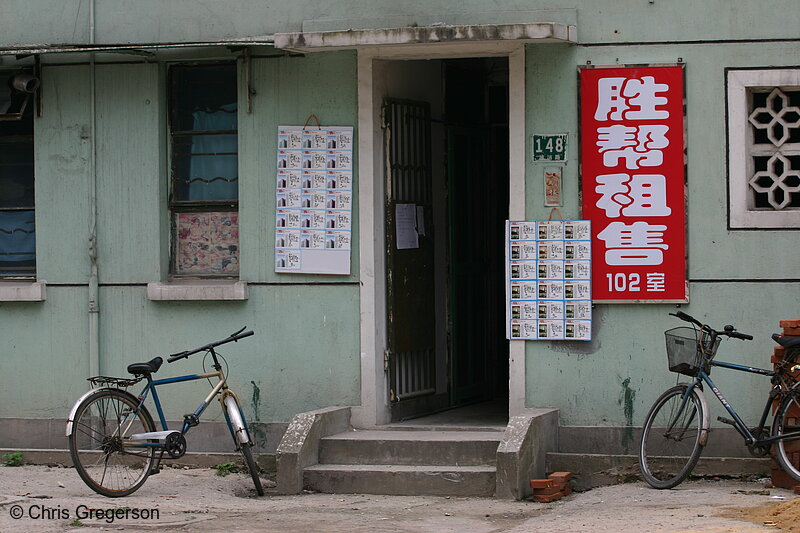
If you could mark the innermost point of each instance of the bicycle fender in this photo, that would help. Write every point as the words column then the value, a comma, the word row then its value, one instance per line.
column 706, row 414
column 71, row 415
column 235, row 418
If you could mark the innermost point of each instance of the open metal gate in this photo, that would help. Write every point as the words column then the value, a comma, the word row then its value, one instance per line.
column 410, row 261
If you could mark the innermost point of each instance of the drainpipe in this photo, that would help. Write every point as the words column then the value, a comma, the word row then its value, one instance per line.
column 94, row 289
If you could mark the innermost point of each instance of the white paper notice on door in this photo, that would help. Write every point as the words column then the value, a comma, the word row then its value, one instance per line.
column 405, row 221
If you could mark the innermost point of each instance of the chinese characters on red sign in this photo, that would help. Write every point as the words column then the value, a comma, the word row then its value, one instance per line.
column 633, row 181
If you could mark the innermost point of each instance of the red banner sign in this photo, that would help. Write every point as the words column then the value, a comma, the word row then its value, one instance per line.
column 633, row 182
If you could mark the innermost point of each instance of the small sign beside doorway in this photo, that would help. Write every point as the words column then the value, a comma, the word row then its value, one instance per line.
column 549, row 147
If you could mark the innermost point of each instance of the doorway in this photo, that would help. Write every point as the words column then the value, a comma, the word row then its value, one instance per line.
column 445, row 140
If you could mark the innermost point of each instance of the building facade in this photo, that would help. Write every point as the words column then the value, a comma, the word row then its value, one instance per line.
column 138, row 200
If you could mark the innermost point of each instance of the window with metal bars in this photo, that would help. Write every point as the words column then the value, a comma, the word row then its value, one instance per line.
column 17, row 205
column 204, row 173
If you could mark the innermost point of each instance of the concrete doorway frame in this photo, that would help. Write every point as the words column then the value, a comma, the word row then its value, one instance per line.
column 374, row 409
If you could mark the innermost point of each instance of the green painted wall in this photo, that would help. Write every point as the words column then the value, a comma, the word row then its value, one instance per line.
column 305, row 354
column 586, row 380
column 62, row 162
column 122, row 21
column 287, row 91
column 44, row 363
column 130, row 144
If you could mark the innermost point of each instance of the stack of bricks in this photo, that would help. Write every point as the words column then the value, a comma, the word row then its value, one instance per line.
column 779, row 477
column 555, row 487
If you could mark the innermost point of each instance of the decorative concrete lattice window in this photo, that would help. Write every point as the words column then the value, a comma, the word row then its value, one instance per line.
column 764, row 148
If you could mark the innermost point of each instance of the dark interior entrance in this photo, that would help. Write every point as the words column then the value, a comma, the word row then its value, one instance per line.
column 446, row 148
column 476, row 104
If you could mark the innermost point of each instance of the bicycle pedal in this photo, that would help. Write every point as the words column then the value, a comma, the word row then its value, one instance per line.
column 726, row 420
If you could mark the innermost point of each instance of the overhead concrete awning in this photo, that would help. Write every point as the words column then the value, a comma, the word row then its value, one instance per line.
column 419, row 36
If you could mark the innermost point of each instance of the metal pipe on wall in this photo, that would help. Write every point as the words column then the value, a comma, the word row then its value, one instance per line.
column 94, row 289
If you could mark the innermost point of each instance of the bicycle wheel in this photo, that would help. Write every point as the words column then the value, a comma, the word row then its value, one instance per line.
column 787, row 421
column 247, row 453
column 671, row 438
column 241, row 436
column 102, row 423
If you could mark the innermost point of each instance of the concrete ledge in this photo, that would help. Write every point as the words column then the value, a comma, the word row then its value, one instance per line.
column 594, row 470
column 208, row 437
column 192, row 460
column 23, row 291
column 624, row 440
column 402, row 480
column 197, row 290
column 299, row 446
column 522, row 453
column 426, row 35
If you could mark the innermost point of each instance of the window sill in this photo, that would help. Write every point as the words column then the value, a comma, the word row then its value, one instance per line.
column 22, row 291
column 197, row 290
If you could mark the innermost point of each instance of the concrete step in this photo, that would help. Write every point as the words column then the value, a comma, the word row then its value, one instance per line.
column 595, row 470
column 378, row 447
column 401, row 480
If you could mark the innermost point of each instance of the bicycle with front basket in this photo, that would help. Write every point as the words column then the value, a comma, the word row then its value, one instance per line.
column 677, row 427
column 113, row 441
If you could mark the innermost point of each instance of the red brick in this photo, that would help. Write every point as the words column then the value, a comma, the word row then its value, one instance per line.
column 791, row 332
column 541, row 483
column 790, row 323
column 549, row 498
column 782, row 479
column 550, row 490
column 560, row 476
column 777, row 354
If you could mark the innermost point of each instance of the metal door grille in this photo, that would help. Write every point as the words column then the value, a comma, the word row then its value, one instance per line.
column 412, row 368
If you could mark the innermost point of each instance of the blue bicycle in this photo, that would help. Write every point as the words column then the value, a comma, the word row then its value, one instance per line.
column 113, row 441
column 676, row 429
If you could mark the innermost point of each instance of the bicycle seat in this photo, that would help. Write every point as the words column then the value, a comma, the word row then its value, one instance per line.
column 143, row 369
column 787, row 341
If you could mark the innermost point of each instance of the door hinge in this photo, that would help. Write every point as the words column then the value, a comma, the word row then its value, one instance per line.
column 386, row 356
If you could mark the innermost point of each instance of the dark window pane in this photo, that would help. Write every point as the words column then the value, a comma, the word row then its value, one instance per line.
column 203, row 90
column 205, row 168
column 17, row 243
column 16, row 172
column 204, row 133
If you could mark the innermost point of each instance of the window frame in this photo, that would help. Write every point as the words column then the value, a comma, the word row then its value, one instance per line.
column 177, row 207
column 739, row 82
column 23, row 273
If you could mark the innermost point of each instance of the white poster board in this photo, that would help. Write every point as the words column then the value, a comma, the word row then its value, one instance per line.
column 549, row 280
column 314, row 200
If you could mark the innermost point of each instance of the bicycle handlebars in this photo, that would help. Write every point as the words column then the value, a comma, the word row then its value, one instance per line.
column 234, row 337
column 728, row 331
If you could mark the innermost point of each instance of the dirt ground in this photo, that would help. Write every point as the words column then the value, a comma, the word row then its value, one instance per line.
column 45, row 499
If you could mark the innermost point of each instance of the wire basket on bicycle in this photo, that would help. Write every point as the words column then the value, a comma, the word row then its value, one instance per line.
column 685, row 350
